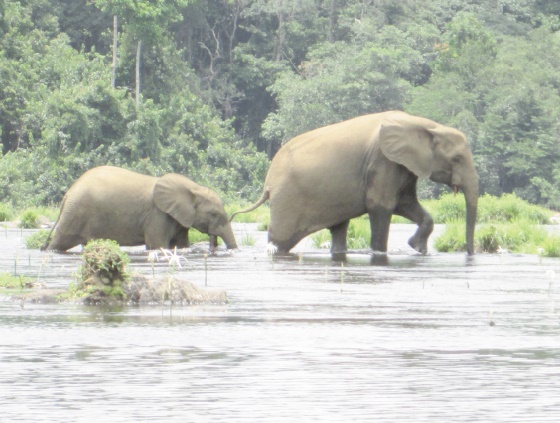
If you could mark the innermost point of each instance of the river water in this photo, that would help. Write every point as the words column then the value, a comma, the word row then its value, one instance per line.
column 436, row 338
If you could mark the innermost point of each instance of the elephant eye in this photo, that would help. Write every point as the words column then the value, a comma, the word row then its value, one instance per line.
column 457, row 159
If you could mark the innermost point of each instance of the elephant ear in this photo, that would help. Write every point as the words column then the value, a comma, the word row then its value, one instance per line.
column 173, row 194
column 409, row 143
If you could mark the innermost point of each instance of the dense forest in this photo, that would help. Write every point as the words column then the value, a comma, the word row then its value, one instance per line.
column 212, row 88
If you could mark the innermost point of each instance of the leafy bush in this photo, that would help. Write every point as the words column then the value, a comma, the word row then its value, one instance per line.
column 6, row 212
column 104, row 261
column 508, row 208
column 29, row 219
column 36, row 240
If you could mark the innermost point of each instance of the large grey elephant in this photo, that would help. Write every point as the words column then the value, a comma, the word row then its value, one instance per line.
column 369, row 164
column 135, row 209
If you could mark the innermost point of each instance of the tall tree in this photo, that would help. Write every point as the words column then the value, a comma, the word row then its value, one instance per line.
column 145, row 21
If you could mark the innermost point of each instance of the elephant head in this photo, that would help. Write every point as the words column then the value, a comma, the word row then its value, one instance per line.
column 434, row 151
column 194, row 206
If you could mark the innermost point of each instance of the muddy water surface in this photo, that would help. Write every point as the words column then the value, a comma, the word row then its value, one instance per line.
column 438, row 338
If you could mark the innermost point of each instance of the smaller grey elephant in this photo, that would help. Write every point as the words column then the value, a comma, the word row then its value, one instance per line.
column 134, row 209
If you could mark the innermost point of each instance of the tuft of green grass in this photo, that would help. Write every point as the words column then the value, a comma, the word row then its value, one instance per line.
column 6, row 212
column 321, row 239
column 248, row 240
column 518, row 236
column 36, row 240
column 507, row 208
column 9, row 281
column 550, row 247
column 453, row 238
column 197, row 236
column 359, row 234
column 29, row 219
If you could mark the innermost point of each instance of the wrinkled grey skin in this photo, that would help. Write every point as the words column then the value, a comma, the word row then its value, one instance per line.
column 369, row 164
column 134, row 209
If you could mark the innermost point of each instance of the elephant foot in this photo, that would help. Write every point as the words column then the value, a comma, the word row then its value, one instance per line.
column 419, row 244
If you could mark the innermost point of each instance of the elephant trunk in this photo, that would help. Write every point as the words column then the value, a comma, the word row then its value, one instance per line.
column 471, row 200
column 228, row 237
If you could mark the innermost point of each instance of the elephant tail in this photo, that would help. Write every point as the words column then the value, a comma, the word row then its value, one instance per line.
column 259, row 202
column 48, row 240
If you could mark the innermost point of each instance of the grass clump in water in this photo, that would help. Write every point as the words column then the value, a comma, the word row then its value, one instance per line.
column 36, row 240
column 102, row 273
column 9, row 281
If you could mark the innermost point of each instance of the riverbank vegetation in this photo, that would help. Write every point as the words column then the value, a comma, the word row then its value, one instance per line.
column 506, row 224
column 212, row 88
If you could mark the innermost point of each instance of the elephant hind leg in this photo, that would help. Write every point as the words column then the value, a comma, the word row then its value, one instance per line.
column 339, row 234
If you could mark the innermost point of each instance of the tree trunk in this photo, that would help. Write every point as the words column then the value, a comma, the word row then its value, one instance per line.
column 115, row 36
column 138, row 54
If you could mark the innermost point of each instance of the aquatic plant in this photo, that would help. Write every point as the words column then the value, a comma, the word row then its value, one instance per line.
column 36, row 240
column 173, row 259
column 248, row 240
column 104, row 269
column 9, row 281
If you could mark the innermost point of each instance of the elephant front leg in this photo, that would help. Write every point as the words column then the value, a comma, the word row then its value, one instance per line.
column 379, row 220
column 339, row 233
column 415, row 212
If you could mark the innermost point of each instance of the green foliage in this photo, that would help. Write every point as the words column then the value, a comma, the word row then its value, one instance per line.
column 6, row 212
column 321, row 239
column 105, row 262
column 359, row 234
column 36, row 240
column 550, row 246
column 225, row 81
column 507, row 208
column 453, row 239
column 248, row 240
column 196, row 236
column 9, row 281
column 517, row 236
column 29, row 219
